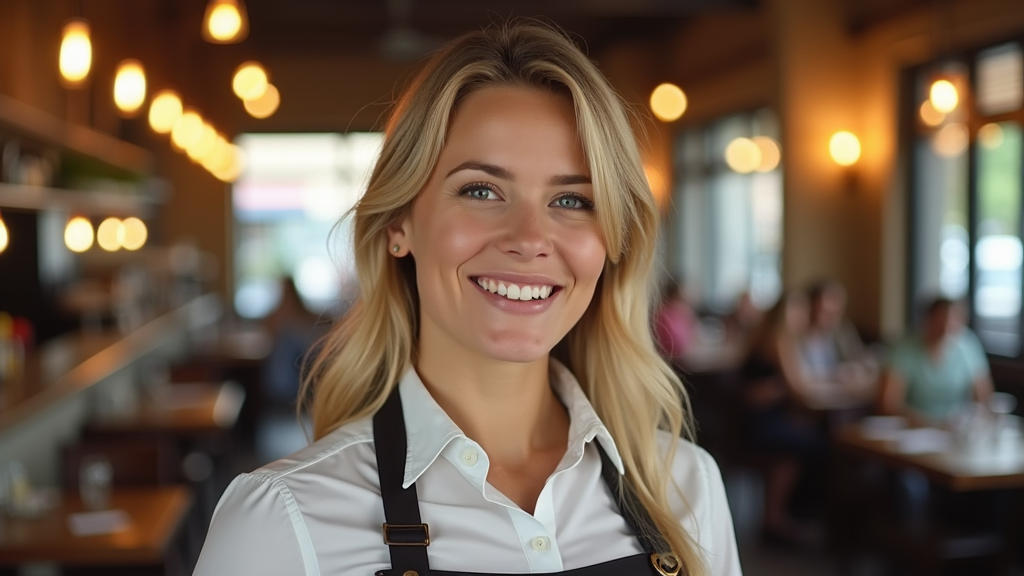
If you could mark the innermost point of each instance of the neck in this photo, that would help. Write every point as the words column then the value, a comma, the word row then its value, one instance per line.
column 508, row 408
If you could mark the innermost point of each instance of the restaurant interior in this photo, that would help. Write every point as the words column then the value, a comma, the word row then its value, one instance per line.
column 840, row 185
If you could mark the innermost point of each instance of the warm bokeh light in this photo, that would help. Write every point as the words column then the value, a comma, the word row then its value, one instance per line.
column 668, row 102
column 78, row 235
column 75, row 52
column 130, row 86
column 771, row 155
column 164, row 111
column 990, row 136
column 187, row 129
column 929, row 115
column 943, row 96
column 5, row 237
column 132, row 233
column 844, row 147
column 266, row 105
column 203, row 145
column 951, row 140
column 743, row 155
column 658, row 183
column 250, row 81
column 231, row 166
column 108, row 234
column 225, row 22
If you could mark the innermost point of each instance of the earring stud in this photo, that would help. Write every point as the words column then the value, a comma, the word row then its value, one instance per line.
column 396, row 248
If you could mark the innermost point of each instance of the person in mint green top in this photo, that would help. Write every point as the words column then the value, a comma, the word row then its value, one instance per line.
column 932, row 376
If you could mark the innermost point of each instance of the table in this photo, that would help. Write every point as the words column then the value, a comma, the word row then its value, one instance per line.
column 156, row 513
column 959, row 471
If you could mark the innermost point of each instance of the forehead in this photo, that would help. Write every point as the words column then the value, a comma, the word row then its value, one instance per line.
column 511, row 125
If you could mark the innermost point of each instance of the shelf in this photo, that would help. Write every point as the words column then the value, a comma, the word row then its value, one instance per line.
column 76, row 201
column 46, row 128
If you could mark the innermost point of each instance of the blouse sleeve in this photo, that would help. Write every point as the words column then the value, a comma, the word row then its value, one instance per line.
column 717, row 536
column 257, row 530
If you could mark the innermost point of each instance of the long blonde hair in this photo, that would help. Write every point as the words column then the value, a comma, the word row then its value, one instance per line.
column 610, row 350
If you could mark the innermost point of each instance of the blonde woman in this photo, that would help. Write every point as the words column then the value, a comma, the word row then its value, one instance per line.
column 494, row 402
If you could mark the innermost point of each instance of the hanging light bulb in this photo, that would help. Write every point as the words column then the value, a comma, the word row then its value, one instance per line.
column 130, row 86
column 4, row 236
column 164, row 111
column 75, row 53
column 108, row 236
column 225, row 22
column 266, row 105
column 250, row 81
column 203, row 146
column 187, row 129
column 743, row 155
column 78, row 234
column 132, row 233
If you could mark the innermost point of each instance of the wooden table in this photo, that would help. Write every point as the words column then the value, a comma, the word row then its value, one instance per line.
column 956, row 470
column 182, row 409
column 156, row 516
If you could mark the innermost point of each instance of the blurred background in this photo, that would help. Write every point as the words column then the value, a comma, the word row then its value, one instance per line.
column 841, row 257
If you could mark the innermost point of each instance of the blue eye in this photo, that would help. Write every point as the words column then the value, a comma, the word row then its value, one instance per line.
column 478, row 192
column 573, row 202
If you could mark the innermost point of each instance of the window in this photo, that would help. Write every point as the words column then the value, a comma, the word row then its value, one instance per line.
column 725, row 229
column 295, row 189
column 966, row 193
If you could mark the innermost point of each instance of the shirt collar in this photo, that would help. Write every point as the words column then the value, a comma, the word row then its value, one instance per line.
column 429, row 429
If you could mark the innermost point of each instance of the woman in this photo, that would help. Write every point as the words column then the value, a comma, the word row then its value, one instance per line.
column 503, row 247
column 776, row 394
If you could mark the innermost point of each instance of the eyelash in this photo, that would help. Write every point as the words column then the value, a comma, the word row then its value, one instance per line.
column 585, row 203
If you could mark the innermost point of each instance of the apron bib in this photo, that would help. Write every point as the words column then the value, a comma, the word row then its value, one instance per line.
column 407, row 537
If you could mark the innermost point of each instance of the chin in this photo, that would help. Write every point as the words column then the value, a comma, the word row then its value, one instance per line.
column 518, row 350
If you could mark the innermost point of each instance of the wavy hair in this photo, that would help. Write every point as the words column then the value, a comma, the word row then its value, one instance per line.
column 610, row 350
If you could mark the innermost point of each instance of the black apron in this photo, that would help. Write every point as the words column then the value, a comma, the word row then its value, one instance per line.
column 407, row 536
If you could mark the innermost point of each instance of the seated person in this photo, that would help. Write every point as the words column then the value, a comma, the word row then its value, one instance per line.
column 932, row 376
column 778, row 422
column 832, row 349
column 674, row 322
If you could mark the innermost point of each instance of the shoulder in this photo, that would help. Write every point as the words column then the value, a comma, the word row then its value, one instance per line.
column 698, row 499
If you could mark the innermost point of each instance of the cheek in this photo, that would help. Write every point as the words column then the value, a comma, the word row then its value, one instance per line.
column 586, row 257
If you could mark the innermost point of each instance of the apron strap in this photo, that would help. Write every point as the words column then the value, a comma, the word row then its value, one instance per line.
column 637, row 517
column 405, row 534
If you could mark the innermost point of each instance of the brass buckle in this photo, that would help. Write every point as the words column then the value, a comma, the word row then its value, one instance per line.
column 666, row 564
column 424, row 541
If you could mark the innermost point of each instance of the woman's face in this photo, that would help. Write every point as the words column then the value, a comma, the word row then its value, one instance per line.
column 507, row 246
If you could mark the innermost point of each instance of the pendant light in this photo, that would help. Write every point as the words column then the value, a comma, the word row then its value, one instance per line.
column 75, row 53
column 130, row 87
column 225, row 22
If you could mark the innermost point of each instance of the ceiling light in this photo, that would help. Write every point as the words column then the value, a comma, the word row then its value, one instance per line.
column 225, row 22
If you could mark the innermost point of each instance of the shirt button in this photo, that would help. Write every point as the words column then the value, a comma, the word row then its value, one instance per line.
column 540, row 543
column 469, row 457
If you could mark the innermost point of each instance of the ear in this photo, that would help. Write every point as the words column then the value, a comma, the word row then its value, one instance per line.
column 399, row 235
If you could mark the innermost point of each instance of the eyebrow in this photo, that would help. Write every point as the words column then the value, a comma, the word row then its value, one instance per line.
column 504, row 174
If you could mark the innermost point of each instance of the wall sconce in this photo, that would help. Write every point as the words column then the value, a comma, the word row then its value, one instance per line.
column 844, row 148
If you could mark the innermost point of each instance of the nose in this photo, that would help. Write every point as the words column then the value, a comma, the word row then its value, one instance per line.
column 526, row 233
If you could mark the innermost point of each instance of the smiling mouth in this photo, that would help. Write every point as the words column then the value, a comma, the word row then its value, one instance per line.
column 521, row 292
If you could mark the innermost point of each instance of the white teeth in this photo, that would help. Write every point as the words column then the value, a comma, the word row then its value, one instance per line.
column 513, row 291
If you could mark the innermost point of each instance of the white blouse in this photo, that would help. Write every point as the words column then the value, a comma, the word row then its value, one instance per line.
column 319, row 510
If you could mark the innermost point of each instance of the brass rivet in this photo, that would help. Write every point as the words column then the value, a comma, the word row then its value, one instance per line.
column 411, row 573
